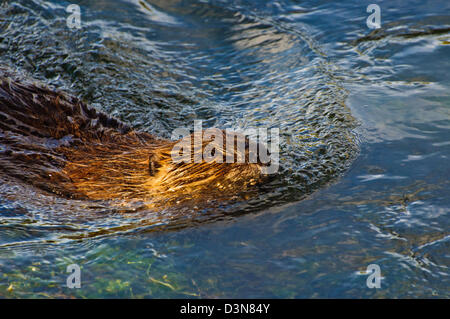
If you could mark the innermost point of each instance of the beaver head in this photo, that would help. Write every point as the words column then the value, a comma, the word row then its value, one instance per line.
column 214, row 161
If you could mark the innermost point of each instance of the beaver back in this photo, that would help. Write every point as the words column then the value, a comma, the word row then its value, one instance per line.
column 42, row 130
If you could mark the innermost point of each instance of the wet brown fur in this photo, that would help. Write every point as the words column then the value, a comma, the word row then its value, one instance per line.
column 57, row 143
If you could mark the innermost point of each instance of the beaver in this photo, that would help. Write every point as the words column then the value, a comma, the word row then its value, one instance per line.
column 57, row 143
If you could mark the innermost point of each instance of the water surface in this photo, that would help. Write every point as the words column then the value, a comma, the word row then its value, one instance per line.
column 364, row 122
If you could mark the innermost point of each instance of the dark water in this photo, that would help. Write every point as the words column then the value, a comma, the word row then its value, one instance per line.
column 364, row 121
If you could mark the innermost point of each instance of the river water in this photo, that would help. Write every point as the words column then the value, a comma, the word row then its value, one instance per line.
column 364, row 124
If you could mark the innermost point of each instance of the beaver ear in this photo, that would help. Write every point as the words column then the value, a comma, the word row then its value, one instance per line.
column 153, row 164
